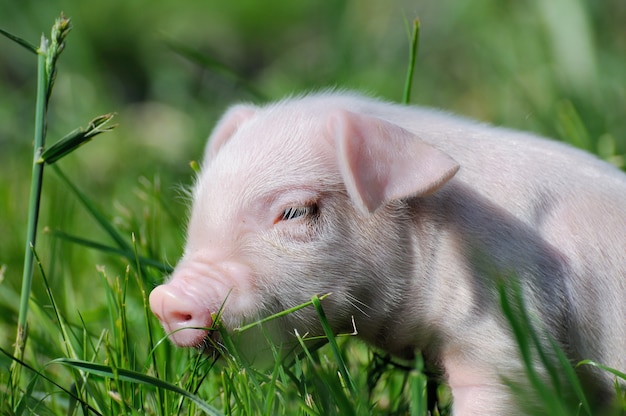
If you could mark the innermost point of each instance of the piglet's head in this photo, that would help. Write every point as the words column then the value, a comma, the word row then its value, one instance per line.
column 296, row 199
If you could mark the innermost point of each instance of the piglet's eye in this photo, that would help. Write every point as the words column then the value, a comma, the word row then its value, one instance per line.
column 293, row 213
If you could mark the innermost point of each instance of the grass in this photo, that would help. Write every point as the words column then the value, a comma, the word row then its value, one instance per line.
column 93, row 346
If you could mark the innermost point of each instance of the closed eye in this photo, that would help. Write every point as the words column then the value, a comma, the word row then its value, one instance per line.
column 292, row 213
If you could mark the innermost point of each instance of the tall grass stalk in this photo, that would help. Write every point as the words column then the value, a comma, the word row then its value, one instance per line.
column 33, row 205
column 47, row 55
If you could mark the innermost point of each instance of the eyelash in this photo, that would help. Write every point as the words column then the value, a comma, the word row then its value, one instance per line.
column 293, row 213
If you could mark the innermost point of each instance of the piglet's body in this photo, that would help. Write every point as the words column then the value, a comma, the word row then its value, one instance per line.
column 408, row 217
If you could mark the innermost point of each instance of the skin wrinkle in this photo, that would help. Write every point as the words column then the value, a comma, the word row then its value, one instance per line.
column 544, row 205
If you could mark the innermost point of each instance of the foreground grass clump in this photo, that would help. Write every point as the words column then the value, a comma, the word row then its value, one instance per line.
column 120, row 369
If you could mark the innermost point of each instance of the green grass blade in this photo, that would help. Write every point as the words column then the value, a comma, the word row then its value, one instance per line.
column 60, row 321
column 132, row 256
column 418, row 384
column 511, row 312
column 280, row 314
column 511, row 307
column 24, row 406
column 531, row 337
column 613, row 371
column 327, row 389
column 552, row 396
column 412, row 57
column 137, row 378
column 572, row 378
column 333, row 345
column 23, row 42
column 195, row 166
column 148, row 322
column 571, row 126
column 33, row 207
column 77, row 138
column 273, row 386
column 213, row 65
column 95, row 212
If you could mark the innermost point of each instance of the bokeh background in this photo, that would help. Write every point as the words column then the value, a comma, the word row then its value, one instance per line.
column 168, row 69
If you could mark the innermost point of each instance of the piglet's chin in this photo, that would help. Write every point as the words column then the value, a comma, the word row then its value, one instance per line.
column 189, row 337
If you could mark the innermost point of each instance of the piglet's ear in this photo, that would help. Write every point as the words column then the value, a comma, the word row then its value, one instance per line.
column 382, row 162
column 227, row 126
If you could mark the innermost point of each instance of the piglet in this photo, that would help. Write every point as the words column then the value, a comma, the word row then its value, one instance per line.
column 408, row 217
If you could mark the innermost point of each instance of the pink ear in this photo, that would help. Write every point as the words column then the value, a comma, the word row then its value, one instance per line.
column 227, row 126
column 381, row 162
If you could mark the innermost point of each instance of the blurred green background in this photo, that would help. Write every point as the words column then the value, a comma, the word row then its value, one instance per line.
column 168, row 69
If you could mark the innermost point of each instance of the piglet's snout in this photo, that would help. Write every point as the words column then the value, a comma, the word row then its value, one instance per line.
column 181, row 314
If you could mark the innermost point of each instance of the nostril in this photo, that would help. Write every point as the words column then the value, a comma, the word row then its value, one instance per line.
column 180, row 314
column 182, row 317
column 171, row 306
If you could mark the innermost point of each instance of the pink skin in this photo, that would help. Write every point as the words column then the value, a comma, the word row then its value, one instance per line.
column 184, row 304
column 405, row 215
